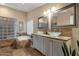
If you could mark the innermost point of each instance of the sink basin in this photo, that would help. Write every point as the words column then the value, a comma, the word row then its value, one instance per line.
column 55, row 34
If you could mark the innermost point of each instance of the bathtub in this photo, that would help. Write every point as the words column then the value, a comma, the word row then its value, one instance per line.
column 23, row 38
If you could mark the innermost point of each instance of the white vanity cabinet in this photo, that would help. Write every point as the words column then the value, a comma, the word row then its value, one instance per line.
column 45, row 46
column 53, row 47
column 38, row 42
column 34, row 41
column 48, row 46
column 56, row 48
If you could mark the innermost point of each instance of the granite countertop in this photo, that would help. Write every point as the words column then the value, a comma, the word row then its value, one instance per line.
column 62, row 38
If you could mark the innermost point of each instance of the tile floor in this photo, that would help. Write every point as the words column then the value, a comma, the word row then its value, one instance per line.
column 19, row 52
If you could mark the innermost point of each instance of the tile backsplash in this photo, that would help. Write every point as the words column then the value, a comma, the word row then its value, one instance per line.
column 64, row 31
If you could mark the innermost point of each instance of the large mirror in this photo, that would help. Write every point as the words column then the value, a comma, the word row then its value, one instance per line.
column 42, row 22
column 64, row 17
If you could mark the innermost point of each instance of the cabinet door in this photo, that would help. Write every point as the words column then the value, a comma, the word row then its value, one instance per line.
column 57, row 50
column 40, row 44
column 34, row 41
column 46, row 46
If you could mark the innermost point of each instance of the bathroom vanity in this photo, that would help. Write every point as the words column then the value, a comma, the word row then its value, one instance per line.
column 48, row 45
column 51, row 45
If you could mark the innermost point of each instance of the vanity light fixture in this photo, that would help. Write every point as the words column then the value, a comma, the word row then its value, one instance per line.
column 53, row 9
column 44, row 13
column 50, row 11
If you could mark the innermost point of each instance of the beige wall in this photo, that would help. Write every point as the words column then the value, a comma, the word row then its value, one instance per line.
column 34, row 14
column 75, row 31
column 8, row 12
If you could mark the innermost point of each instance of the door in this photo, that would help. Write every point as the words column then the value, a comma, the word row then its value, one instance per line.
column 30, row 27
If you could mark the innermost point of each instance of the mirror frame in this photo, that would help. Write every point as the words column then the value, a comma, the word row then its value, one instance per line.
column 64, row 8
column 42, row 28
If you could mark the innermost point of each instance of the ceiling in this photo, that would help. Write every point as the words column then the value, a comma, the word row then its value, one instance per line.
column 25, row 7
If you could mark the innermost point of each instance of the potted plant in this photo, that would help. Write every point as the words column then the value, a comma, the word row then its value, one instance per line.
column 68, row 52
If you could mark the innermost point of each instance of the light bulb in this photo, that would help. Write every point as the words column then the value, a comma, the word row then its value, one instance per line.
column 53, row 9
column 48, row 11
column 45, row 13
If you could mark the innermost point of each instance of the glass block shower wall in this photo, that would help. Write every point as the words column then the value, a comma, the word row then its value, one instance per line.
column 7, row 28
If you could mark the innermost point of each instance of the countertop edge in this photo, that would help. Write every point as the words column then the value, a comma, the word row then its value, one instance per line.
column 51, row 37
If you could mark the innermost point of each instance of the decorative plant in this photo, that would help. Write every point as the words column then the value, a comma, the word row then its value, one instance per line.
column 78, row 47
column 68, row 52
column 78, row 43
